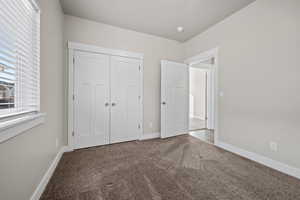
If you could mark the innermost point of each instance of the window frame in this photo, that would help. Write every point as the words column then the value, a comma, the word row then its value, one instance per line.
column 13, row 123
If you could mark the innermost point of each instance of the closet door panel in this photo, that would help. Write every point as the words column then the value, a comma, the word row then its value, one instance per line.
column 125, row 92
column 91, row 90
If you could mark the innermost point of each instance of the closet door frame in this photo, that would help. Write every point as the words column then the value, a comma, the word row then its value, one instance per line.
column 75, row 46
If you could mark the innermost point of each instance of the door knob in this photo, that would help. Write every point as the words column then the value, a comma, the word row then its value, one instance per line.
column 163, row 103
column 113, row 104
column 106, row 104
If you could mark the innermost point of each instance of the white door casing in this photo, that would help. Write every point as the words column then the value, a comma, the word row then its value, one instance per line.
column 73, row 127
column 174, row 99
column 125, row 99
column 91, row 92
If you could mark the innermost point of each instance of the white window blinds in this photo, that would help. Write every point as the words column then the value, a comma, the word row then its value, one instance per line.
column 19, row 57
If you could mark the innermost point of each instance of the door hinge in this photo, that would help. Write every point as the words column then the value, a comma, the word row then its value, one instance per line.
column 73, row 97
column 73, row 134
column 139, row 67
column 73, row 60
column 139, row 126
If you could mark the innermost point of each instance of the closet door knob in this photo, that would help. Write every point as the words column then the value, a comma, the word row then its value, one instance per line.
column 113, row 104
column 106, row 104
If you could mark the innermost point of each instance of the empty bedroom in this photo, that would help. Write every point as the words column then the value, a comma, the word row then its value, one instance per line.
column 149, row 100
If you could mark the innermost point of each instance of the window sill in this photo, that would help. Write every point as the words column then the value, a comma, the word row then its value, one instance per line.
column 12, row 128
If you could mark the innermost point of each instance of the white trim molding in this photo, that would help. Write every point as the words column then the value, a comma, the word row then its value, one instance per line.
column 42, row 185
column 279, row 166
column 96, row 49
column 149, row 136
column 202, row 57
column 13, row 127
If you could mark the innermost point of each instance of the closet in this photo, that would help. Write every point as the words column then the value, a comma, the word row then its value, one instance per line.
column 107, row 98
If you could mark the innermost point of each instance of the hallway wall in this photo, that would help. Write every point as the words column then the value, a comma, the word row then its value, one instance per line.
column 198, row 91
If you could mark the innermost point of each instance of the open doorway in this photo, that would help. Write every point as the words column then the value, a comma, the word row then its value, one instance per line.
column 182, row 112
column 202, row 95
column 198, row 99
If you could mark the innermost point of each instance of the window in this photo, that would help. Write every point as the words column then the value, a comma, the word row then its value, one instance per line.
column 19, row 57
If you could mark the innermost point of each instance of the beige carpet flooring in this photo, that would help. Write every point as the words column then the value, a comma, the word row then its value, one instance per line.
column 179, row 168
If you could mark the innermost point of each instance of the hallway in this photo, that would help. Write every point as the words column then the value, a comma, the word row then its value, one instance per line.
column 197, row 124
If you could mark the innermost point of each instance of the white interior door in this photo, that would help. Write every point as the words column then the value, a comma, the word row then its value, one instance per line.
column 91, row 103
column 174, row 99
column 125, row 99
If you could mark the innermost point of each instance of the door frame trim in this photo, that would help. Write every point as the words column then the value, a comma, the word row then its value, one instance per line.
column 75, row 46
column 204, row 56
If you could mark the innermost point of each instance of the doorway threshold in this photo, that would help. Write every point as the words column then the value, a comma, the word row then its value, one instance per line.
column 205, row 135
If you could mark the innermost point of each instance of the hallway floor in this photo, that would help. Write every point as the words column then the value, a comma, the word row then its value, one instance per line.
column 204, row 135
column 197, row 124
column 178, row 168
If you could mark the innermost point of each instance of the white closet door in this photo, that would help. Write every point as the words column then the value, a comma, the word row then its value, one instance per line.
column 175, row 98
column 125, row 101
column 91, row 108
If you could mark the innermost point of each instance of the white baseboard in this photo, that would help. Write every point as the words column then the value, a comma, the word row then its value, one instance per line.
column 149, row 136
column 284, row 168
column 42, row 185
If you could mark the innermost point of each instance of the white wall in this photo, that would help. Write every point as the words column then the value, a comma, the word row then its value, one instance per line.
column 259, row 74
column 25, row 158
column 198, row 91
column 154, row 48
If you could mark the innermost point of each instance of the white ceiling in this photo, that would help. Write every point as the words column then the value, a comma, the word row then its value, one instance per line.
column 156, row 17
